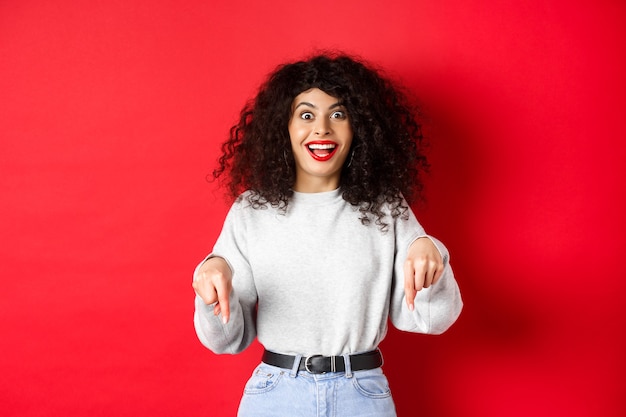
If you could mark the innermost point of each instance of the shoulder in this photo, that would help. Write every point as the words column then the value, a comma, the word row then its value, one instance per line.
column 250, row 203
column 395, row 207
column 402, row 217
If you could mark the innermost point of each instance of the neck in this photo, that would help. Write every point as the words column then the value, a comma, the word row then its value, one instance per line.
column 318, row 185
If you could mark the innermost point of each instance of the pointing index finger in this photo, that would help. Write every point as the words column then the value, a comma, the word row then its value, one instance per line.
column 409, row 284
column 223, row 289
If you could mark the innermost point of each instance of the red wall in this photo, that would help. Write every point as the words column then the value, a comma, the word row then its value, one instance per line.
column 111, row 115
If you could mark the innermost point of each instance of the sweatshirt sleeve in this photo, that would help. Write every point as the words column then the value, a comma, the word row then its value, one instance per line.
column 240, row 331
column 436, row 307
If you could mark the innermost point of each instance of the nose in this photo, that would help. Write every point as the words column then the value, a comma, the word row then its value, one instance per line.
column 322, row 128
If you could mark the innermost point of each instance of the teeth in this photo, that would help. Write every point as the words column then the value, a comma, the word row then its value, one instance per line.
column 321, row 146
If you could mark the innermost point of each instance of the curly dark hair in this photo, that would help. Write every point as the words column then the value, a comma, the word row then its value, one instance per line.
column 386, row 158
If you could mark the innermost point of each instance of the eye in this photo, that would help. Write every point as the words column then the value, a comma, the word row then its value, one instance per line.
column 307, row 115
column 338, row 115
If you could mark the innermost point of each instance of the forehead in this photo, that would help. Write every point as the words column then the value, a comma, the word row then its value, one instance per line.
column 315, row 98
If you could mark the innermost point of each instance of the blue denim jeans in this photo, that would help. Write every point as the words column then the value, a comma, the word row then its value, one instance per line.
column 279, row 392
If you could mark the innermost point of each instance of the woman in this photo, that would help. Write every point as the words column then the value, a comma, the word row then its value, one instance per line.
column 320, row 247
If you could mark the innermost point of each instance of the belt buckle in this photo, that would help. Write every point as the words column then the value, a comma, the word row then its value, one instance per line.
column 306, row 364
column 333, row 367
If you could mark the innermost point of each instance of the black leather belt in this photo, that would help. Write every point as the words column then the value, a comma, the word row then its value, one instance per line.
column 318, row 364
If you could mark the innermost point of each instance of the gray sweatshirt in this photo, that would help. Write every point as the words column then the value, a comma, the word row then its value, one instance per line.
column 315, row 281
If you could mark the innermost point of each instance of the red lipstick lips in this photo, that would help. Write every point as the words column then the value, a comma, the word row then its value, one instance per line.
column 321, row 150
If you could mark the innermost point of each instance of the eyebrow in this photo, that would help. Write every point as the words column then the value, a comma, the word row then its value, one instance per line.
column 306, row 103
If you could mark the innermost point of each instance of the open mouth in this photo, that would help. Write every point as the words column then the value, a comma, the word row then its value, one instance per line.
column 321, row 151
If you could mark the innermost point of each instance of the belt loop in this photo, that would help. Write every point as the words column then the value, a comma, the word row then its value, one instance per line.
column 296, row 366
column 348, row 365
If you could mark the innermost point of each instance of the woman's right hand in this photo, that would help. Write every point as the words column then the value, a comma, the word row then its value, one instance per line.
column 213, row 283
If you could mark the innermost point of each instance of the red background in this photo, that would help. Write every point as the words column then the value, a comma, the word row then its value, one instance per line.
column 111, row 115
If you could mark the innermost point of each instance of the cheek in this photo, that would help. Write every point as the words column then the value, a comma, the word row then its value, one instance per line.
column 294, row 142
column 297, row 133
column 348, row 135
column 292, row 136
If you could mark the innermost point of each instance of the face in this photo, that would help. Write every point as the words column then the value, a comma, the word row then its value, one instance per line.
column 321, row 136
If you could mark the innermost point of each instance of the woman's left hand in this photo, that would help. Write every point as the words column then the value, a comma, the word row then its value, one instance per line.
column 423, row 268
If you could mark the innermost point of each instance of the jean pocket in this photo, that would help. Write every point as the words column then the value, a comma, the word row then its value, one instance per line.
column 371, row 384
column 263, row 379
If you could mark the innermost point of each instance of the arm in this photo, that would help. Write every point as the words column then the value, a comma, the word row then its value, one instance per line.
column 425, row 296
column 225, row 302
column 432, row 300
column 219, row 318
